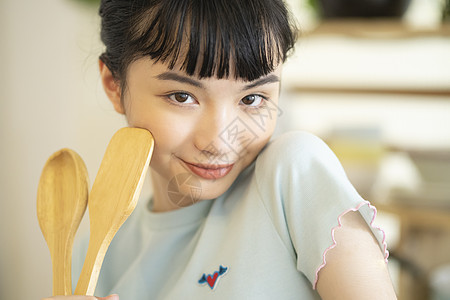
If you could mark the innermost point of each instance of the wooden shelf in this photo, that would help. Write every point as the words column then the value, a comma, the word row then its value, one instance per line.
column 371, row 57
column 420, row 216
column 299, row 88
column 377, row 28
column 423, row 244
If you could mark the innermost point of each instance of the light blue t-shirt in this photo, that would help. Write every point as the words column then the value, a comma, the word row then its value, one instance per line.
column 264, row 238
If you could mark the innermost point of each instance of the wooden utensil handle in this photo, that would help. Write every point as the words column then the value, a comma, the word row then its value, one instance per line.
column 119, row 180
column 62, row 277
column 91, row 269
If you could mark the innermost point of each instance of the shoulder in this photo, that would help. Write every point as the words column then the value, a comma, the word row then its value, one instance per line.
column 297, row 173
column 293, row 143
column 299, row 178
column 305, row 190
column 299, row 156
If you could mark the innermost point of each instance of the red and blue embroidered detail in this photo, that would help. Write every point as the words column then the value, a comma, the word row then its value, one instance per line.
column 213, row 279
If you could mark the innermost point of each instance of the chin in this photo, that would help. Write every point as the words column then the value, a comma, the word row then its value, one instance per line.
column 186, row 189
column 213, row 190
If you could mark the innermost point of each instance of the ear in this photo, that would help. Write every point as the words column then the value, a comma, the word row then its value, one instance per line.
column 111, row 87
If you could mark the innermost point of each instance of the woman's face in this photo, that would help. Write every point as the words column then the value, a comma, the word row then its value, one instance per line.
column 206, row 131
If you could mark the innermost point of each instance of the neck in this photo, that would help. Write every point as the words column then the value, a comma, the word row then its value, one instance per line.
column 161, row 200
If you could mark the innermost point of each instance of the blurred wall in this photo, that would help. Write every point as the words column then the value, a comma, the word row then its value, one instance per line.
column 50, row 98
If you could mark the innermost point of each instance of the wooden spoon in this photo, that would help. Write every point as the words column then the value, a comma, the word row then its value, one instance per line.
column 113, row 197
column 61, row 202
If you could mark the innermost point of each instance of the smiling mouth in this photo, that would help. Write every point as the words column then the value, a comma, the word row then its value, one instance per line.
column 209, row 171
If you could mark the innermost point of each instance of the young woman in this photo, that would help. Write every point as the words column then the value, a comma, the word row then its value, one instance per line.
column 233, row 215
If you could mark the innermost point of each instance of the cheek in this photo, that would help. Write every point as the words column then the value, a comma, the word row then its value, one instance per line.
column 170, row 130
column 260, row 127
column 260, row 141
column 168, row 134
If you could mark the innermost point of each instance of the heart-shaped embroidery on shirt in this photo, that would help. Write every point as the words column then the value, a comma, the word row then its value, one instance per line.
column 213, row 279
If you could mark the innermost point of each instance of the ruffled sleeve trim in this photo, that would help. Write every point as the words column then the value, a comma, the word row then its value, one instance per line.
column 383, row 244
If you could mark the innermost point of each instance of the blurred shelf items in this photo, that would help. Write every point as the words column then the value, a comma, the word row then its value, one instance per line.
column 334, row 9
column 372, row 77
column 423, row 209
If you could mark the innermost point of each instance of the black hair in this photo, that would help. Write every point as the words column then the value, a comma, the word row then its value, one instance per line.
column 246, row 38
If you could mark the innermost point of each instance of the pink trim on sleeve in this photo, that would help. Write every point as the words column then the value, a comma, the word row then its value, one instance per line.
column 386, row 252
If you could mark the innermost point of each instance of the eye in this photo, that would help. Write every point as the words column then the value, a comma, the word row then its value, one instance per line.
column 184, row 98
column 253, row 100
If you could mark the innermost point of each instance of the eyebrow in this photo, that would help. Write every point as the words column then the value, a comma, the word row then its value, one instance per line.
column 262, row 81
column 184, row 79
column 179, row 78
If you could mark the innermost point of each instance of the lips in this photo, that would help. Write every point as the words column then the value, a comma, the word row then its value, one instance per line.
column 209, row 171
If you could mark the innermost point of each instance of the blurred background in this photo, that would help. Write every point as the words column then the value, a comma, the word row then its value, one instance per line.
column 371, row 77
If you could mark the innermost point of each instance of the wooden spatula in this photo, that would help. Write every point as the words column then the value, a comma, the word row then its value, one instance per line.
column 61, row 202
column 113, row 197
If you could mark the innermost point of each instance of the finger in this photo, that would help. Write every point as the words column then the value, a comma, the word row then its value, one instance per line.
column 76, row 298
column 110, row 297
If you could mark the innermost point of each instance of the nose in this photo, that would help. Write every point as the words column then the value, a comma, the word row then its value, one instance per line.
column 210, row 137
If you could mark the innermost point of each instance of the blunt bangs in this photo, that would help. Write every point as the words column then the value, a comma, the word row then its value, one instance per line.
column 213, row 38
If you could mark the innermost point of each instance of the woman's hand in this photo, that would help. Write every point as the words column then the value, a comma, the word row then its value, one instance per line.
column 110, row 297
